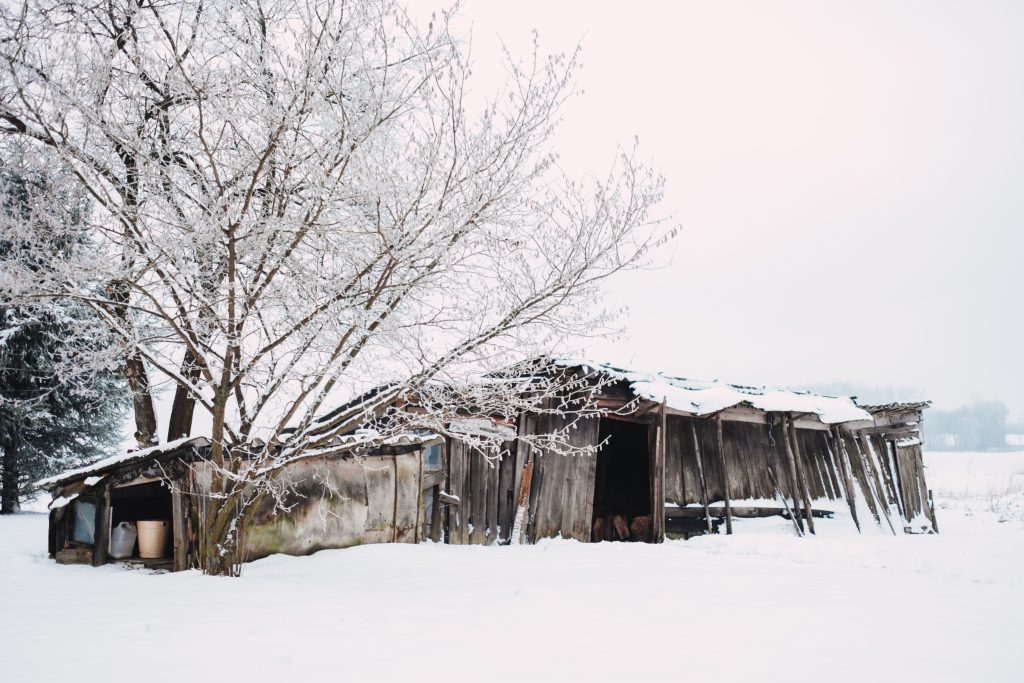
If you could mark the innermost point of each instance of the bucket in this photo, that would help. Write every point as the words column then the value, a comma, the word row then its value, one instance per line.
column 122, row 540
column 152, row 538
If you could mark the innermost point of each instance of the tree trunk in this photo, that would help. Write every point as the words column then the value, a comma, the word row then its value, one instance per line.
column 9, row 495
column 135, row 369
column 180, row 424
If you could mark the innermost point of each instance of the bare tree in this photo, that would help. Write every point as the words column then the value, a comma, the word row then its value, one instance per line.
column 297, row 201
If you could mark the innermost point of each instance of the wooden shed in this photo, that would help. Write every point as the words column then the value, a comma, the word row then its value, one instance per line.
column 679, row 457
column 373, row 493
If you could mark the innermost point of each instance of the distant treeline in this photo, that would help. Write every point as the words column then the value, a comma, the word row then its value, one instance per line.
column 979, row 426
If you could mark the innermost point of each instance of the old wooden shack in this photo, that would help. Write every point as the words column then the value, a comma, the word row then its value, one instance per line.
column 678, row 457
column 373, row 493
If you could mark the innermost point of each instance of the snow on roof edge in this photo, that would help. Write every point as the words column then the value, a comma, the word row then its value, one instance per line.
column 705, row 397
column 122, row 458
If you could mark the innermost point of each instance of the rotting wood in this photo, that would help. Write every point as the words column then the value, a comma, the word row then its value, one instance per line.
column 725, row 474
column 793, row 518
column 621, row 526
column 178, row 533
column 436, row 516
column 700, row 472
column 841, row 456
column 875, row 483
column 394, row 514
column 791, row 461
column 801, row 477
column 744, row 512
column 101, row 535
column 522, row 502
column 859, row 474
column 74, row 556
column 420, row 514
column 642, row 528
column 657, row 531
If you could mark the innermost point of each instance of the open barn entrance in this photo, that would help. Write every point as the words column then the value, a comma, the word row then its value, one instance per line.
column 622, row 484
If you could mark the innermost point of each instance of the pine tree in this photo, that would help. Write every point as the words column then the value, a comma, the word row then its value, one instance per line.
column 62, row 397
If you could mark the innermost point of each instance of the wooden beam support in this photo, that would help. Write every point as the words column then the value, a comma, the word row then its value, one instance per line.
column 700, row 471
column 801, row 476
column 794, row 487
column 725, row 474
column 658, row 511
column 101, row 536
column 844, row 468
column 179, row 537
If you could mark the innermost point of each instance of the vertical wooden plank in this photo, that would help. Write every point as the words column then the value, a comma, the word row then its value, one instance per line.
column 585, row 523
column 420, row 512
column 872, row 473
column 801, row 474
column 456, row 483
column 436, row 516
column 725, row 473
column 793, row 476
column 479, row 477
column 657, row 474
column 178, row 534
column 101, row 538
column 491, row 504
column 523, row 481
column 700, row 472
column 840, row 456
column 673, row 483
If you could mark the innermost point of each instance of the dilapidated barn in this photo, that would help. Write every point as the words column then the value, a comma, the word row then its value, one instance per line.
column 678, row 457
column 669, row 457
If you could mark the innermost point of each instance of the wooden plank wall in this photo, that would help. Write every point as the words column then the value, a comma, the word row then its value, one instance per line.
column 562, row 491
column 750, row 449
column 485, row 488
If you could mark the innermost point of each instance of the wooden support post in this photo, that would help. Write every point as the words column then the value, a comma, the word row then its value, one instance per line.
column 801, row 476
column 844, row 465
column 793, row 517
column 794, row 487
column 522, row 502
column 179, row 537
column 420, row 513
column 436, row 517
column 101, row 536
column 658, row 480
column 394, row 512
column 725, row 473
column 700, row 471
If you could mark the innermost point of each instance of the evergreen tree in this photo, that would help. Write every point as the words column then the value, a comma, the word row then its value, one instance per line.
column 62, row 399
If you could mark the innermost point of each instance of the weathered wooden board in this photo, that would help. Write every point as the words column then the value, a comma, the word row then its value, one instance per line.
column 561, row 497
column 337, row 503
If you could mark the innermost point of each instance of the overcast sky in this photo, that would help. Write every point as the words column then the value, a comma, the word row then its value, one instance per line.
column 848, row 177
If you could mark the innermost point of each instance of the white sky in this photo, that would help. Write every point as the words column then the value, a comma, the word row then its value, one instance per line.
column 848, row 177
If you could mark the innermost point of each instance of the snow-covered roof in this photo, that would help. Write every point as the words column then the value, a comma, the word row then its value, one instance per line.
column 124, row 459
column 704, row 397
column 371, row 438
column 482, row 427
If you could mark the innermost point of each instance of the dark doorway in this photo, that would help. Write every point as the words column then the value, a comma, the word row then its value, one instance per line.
column 143, row 501
column 622, row 486
column 151, row 502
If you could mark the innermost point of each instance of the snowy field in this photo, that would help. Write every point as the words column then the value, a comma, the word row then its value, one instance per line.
column 759, row 606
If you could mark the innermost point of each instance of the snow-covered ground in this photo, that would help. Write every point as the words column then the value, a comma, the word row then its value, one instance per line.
column 760, row 606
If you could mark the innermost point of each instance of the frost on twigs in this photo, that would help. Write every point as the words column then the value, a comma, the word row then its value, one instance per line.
column 295, row 203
